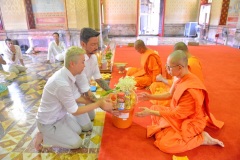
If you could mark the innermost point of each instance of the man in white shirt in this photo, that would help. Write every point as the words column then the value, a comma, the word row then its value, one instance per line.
column 89, row 42
column 56, row 49
column 13, row 56
column 59, row 119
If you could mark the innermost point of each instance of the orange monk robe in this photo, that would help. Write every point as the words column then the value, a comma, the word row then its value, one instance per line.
column 194, row 66
column 180, row 126
column 151, row 66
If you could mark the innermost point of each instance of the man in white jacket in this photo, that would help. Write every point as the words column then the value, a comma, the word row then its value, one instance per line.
column 56, row 49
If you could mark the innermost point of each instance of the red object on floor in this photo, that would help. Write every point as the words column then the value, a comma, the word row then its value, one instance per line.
column 221, row 69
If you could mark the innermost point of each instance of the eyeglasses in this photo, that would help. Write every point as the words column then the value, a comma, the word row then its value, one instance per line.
column 171, row 67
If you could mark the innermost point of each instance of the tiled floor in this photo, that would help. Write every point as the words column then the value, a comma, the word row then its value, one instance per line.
column 18, row 109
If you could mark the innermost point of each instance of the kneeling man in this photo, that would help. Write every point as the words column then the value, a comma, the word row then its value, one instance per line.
column 59, row 119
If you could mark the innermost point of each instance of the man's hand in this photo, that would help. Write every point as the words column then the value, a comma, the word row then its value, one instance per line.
column 145, row 112
column 106, row 104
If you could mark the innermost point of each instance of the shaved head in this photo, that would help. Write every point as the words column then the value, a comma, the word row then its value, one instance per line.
column 178, row 57
column 140, row 46
column 181, row 46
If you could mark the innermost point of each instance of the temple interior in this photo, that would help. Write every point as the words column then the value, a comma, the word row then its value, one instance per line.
column 31, row 23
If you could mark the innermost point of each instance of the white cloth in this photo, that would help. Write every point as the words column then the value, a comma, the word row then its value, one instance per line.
column 56, row 51
column 91, row 67
column 13, row 66
column 59, row 97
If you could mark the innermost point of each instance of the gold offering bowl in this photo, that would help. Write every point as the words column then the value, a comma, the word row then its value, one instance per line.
column 121, row 67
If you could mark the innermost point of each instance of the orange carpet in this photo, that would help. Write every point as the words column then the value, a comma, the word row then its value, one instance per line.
column 221, row 69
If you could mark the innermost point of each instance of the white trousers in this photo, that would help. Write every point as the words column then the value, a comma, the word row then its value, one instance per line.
column 59, row 57
column 65, row 132
column 14, row 68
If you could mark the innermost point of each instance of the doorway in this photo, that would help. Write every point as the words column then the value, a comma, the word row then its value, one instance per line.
column 150, row 17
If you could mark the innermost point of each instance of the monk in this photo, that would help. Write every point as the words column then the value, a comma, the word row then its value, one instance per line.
column 180, row 127
column 163, row 84
column 151, row 66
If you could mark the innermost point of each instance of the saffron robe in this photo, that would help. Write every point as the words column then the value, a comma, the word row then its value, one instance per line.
column 194, row 66
column 180, row 126
column 151, row 66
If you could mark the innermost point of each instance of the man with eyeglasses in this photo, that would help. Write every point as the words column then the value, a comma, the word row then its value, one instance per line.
column 151, row 66
column 181, row 126
column 164, row 84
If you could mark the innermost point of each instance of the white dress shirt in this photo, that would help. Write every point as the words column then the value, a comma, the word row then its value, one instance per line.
column 8, row 54
column 54, row 49
column 91, row 67
column 59, row 97
column 82, row 82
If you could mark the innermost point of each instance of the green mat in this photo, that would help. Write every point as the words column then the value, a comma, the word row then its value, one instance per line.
column 3, row 90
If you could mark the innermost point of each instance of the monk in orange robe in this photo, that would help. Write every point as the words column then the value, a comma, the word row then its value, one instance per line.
column 151, row 66
column 180, row 127
column 163, row 84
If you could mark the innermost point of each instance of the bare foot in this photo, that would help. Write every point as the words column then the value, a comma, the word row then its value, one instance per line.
column 208, row 140
column 38, row 141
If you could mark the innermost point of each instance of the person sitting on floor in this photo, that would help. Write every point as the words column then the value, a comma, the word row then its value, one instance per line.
column 56, row 49
column 59, row 118
column 180, row 127
column 151, row 66
column 163, row 84
column 13, row 56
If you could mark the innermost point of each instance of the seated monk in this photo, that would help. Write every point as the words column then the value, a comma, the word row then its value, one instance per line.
column 151, row 66
column 163, row 84
column 180, row 127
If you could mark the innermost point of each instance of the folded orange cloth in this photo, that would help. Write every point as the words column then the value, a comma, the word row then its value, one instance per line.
column 179, row 158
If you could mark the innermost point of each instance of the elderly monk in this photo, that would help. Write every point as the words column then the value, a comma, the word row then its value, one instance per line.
column 151, row 66
column 180, row 127
column 164, row 84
